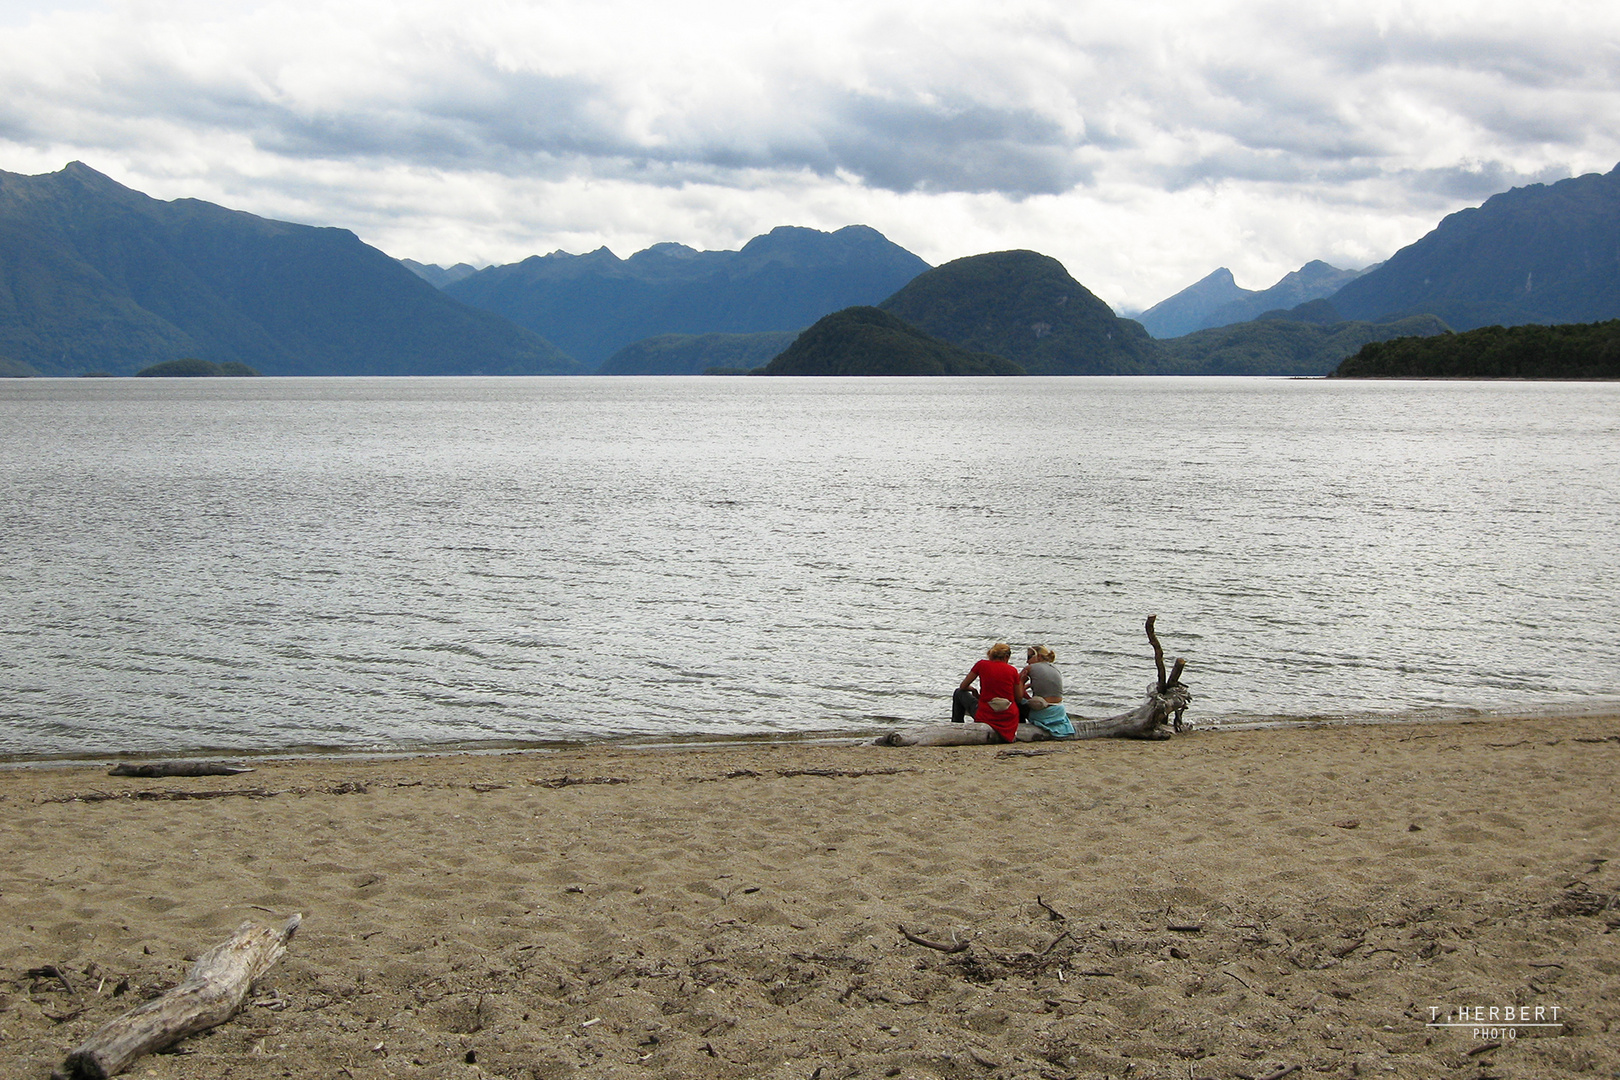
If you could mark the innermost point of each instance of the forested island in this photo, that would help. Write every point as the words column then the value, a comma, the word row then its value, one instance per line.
column 1566, row 351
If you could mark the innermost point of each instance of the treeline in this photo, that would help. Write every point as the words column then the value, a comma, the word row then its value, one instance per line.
column 1566, row 351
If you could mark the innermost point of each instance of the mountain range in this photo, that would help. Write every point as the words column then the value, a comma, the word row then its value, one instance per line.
column 595, row 304
column 1543, row 253
column 95, row 276
column 1218, row 300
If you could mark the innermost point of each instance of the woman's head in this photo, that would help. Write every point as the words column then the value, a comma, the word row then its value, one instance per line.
column 1046, row 655
column 1000, row 651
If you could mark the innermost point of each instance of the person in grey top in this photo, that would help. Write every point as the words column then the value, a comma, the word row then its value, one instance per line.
column 1043, row 683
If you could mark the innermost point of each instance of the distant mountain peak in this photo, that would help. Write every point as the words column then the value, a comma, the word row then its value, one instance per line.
column 669, row 249
column 1218, row 300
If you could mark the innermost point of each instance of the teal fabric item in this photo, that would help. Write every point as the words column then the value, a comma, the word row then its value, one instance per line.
column 1054, row 719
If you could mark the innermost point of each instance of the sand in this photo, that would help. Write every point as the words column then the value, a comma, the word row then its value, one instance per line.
column 1226, row 904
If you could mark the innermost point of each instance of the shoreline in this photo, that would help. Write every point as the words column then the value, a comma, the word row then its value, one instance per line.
column 833, row 737
column 1205, row 906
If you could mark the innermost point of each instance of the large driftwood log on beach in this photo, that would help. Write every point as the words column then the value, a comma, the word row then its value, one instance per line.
column 215, row 988
column 1166, row 700
column 178, row 768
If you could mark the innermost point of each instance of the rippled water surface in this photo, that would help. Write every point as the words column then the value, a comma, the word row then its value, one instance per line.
column 375, row 563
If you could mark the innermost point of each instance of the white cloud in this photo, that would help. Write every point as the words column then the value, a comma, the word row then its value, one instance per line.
column 1142, row 146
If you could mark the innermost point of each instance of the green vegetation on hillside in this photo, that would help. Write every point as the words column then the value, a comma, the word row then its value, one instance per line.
column 1024, row 306
column 694, row 354
column 1282, row 345
column 869, row 341
column 189, row 367
column 1568, row 351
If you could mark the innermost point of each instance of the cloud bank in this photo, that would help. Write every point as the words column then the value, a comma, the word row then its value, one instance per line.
column 1143, row 147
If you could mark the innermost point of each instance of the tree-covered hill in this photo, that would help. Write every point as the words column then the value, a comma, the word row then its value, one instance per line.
column 1568, row 351
column 1546, row 253
column 593, row 305
column 1024, row 306
column 870, row 341
column 96, row 276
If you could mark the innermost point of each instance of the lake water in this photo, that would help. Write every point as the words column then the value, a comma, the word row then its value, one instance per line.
column 377, row 564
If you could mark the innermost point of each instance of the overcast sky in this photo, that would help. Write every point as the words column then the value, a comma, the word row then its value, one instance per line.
column 1142, row 143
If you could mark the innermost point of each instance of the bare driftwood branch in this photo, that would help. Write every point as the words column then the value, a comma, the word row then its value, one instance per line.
column 1158, row 650
column 215, row 988
column 178, row 768
column 960, row 946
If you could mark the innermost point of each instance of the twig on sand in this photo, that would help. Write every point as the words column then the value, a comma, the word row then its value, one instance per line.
column 163, row 796
column 960, row 946
column 1052, row 913
column 570, row 781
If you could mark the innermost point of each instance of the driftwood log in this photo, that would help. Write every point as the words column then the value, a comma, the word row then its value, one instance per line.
column 178, row 768
column 215, row 988
column 1166, row 700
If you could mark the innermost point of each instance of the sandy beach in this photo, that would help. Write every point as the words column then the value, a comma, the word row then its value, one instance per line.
column 1299, row 902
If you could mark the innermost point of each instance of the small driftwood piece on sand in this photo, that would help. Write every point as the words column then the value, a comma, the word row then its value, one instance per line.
column 1166, row 700
column 216, row 987
column 178, row 768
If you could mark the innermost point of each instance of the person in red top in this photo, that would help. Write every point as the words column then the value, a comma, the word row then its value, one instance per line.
column 998, row 692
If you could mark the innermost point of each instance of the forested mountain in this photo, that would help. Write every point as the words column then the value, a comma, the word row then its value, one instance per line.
column 1567, row 351
column 1218, row 300
column 593, row 305
column 1546, row 253
column 870, row 341
column 95, row 276
column 1024, row 306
